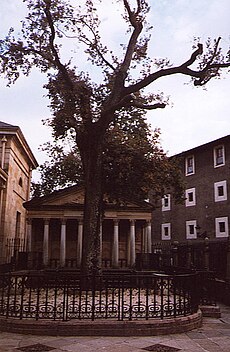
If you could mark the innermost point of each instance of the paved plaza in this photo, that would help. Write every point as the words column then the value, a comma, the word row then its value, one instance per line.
column 213, row 336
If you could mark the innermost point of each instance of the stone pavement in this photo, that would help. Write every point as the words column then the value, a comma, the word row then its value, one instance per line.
column 213, row 336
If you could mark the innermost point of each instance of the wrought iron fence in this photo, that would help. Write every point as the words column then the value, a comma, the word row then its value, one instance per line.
column 202, row 254
column 14, row 246
column 207, row 285
column 59, row 296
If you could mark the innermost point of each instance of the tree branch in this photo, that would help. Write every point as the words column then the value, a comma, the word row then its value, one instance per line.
column 137, row 29
column 57, row 61
column 148, row 107
column 182, row 69
column 197, row 52
column 96, row 45
column 215, row 51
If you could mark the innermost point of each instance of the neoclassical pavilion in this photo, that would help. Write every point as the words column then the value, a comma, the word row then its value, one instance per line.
column 55, row 230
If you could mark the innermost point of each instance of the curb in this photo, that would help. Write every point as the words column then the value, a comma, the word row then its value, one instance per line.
column 103, row 327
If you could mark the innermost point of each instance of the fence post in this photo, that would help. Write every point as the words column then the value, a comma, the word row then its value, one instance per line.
column 206, row 254
column 189, row 257
column 175, row 253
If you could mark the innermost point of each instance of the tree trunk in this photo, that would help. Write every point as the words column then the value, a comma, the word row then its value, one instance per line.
column 91, row 154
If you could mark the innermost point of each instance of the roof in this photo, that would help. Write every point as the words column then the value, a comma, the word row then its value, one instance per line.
column 8, row 129
column 7, row 125
column 205, row 145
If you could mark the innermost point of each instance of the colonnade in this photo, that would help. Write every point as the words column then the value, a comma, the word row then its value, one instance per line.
column 131, row 241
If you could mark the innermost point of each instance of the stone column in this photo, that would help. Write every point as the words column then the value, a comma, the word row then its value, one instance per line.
column 115, row 248
column 4, row 141
column 149, row 237
column 144, row 240
column 128, row 249
column 63, row 243
column 1, row 211
column 132, row 243
column 79, row 243
column 2, row 187
column 29, row 244
column 46, row 243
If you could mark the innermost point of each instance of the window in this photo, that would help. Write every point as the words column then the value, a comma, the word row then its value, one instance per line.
column 222, row 227
column 219, row 156
column 166, row 231
column 20, row 182
column 190, row 196
column 191, row 229
column 220, row 191
column 189, row 165
column 166, row 202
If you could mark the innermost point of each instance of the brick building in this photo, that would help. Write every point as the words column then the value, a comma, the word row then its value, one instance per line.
column 16, row 164
column 204, row 215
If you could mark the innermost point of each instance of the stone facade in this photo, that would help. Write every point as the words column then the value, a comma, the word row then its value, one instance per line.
column 17, row 163
column 55, row 230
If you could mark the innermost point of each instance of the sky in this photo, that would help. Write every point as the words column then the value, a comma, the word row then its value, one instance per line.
column 194, row 116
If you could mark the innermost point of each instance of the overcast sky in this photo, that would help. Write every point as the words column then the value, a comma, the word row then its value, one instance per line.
column 194, row 117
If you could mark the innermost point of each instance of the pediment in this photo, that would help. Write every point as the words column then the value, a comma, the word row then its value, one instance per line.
column 71, row 196
column 74, row 197
column 68, row 199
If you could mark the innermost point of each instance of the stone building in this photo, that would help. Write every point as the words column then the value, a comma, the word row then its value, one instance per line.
column 203, row 217
column 16, row 164
column 55, row 230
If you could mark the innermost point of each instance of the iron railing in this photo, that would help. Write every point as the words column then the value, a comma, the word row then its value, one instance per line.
column 58, row 296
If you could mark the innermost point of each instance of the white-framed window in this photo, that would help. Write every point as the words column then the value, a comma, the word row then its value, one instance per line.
column 220, row 191
column 222, row 227
column 166, row 202
column 189, row 165
column 190, row 197
column 219, row 156
column 191, row 229
column 166, row 231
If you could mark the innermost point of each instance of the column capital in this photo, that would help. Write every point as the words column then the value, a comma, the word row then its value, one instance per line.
column 4, row 139
column 80, row 221
column 46, row 221
column 29, row 221
column 63, row 221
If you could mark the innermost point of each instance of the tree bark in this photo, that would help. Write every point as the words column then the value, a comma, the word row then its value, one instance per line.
column 91, row 153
